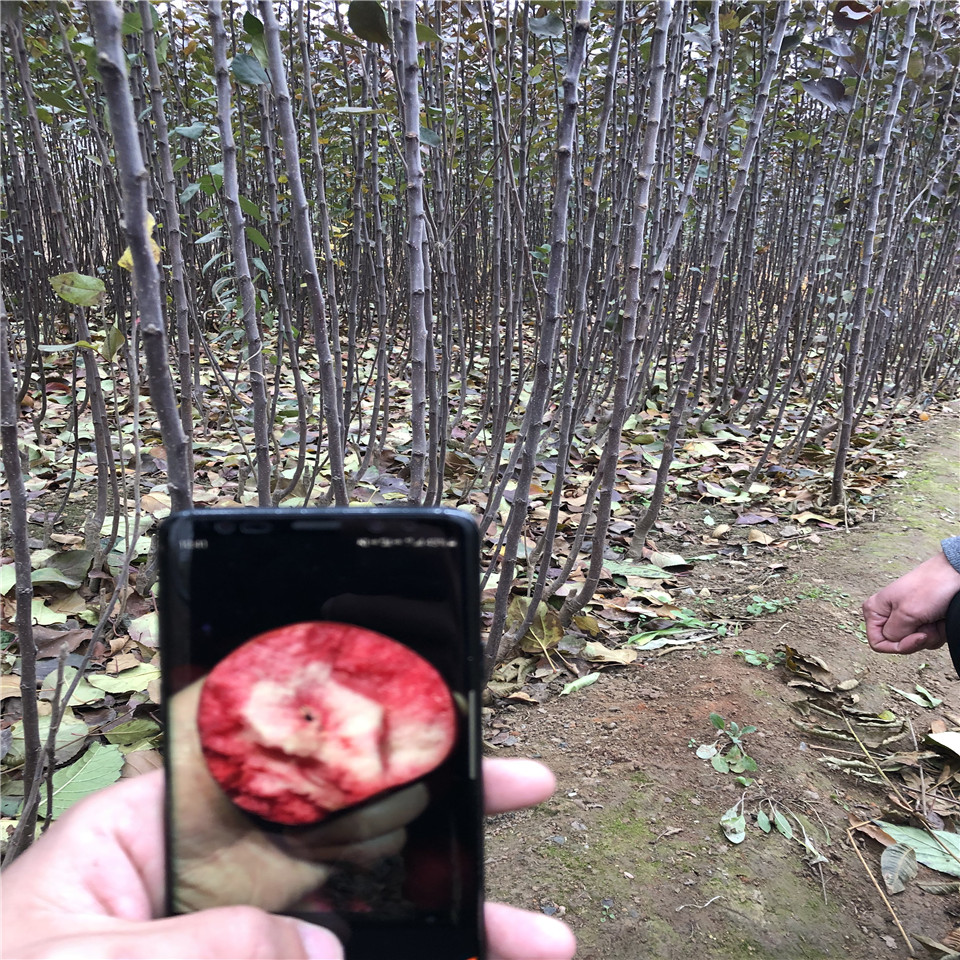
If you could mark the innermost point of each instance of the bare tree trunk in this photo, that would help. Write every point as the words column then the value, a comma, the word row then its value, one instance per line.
column 106, row 477
column 577, row 337
column 284, row 323
column 546, row 353
column 13, row 472
column 852, row 353
column 146, row 277
column 238, row 242
column 171, row 214
column 630, row 333
column 323, row 215
column 708, row 290
column 329, row 376
column 408, row 76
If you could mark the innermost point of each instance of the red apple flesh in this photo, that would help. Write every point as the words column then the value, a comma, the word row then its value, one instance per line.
column 312, row 718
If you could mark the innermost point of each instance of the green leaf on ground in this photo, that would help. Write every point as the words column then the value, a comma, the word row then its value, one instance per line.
column 133, row 732
column 782, row 824
column 898, row 865
column 668, row 637
column 130, row 681
column 73, row 564
column 932, row 701
column 936, row 849
column 83, row 694
column 580, row 683
column 950, row 888
column 43, row 615
column 630, row 568
column 922, row 698
column 51, row 575
column 96, row 769
column 70, row 740
column 734, row 824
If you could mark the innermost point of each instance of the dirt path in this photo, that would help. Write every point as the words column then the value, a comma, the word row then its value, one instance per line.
column 630, row 850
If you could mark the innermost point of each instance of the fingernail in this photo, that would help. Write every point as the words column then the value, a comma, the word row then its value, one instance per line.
column 318, row 942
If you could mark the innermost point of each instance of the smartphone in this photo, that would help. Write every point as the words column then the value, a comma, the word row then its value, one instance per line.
column 321, row 682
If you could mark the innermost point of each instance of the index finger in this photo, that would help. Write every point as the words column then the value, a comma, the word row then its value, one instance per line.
column 874, row 621
column 515, row 783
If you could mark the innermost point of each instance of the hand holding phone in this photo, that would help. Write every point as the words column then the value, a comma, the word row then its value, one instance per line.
column 104, row 858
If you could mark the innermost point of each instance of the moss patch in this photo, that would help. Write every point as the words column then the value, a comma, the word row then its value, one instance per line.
column 612, row 878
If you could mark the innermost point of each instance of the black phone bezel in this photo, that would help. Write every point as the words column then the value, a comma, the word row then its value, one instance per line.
column 373, row 939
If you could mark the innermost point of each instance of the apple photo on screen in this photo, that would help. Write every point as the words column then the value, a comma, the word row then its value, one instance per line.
column 312, row 718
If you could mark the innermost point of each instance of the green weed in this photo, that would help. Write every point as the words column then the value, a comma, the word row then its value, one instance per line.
column 760, row 606
column 837, row 597
column 732, row 758
column 757, row 659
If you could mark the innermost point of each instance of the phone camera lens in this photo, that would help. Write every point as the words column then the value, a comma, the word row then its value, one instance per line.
column 224, row 527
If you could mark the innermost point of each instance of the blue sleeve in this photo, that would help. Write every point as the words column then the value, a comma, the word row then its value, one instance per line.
column 951, row 550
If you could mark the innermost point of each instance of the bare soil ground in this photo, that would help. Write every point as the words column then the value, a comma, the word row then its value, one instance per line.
column 630, row 850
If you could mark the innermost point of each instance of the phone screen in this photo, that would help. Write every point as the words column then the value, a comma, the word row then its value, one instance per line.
column 321, row 671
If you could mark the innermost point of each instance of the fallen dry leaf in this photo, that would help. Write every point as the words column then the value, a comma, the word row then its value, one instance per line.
column 598, row 653
column 121, row 662
column 871, row 830
column 522, row 695
column 141, row 761
column 66, row 538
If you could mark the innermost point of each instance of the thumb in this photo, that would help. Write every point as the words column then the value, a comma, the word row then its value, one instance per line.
column 225, row 933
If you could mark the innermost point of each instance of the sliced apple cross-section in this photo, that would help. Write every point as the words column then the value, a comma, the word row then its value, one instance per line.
column 312, row 718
